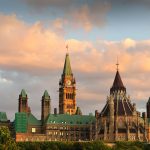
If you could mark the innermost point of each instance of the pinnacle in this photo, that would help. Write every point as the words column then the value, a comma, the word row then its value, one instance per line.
column 117, row 84
column 23, row 93
column 46, row 94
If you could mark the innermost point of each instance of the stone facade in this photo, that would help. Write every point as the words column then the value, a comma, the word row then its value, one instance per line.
column 23, row 102
column 57, row 127
column 59, row 132
column 67, row 90
column 45, row 106
column 119, row 120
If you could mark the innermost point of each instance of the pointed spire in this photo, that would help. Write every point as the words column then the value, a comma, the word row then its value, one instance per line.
column 67, row 67
column 23, row 93
column 46, row 95
column 117, row 84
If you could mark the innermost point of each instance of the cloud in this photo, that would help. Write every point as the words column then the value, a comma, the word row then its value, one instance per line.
column 85, row 14
column 129, row 43
column 32, row 57
column 28, row 45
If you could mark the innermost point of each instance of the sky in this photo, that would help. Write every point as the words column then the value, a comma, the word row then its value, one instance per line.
column 33, row 39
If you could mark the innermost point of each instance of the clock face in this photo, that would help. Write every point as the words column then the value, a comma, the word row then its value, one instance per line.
column 68, row 82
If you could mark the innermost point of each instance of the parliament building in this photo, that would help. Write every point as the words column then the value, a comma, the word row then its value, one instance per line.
column 119, row 119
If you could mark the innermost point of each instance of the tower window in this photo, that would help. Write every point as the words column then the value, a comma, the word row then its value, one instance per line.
column 66, row 95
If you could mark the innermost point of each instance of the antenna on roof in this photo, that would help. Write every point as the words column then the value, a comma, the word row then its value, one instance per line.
column 117, row 64
column 67, row 47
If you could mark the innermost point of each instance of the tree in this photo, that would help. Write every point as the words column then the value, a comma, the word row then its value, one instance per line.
column 6, row 141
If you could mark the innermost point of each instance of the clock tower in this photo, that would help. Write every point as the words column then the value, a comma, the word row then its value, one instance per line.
column 67, row 90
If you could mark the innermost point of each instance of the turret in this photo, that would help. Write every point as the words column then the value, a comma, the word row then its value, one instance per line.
column 45, row 106
column 23, row 102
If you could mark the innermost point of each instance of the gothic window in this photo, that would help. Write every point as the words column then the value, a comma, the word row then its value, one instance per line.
column 24, row 103
column 67, row 96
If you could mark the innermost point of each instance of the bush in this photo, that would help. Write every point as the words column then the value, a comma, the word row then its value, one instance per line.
column 129, row 146
column 6, row 141
column 97, row 145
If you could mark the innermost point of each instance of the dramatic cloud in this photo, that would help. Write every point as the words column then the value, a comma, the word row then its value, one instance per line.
column 32, row 57
column 85, row 14
column 27, row 46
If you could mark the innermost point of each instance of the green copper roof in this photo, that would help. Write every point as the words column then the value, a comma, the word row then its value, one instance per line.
column 78, row 111
column 70, row 119
column 67, row 67
column 23, row 93
column 3, row 116
column 23, row 119
column 21, row 122
column 32, row 120
column 46, row 95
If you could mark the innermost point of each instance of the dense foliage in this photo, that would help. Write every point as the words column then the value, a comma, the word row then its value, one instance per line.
column 6, row 141
column 96, row 145
column 129, row 146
